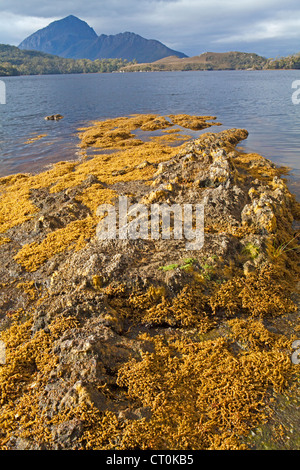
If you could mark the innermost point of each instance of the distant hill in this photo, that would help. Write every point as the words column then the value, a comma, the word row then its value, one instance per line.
column 73, row 38
column 205, row 61
column 14, row 61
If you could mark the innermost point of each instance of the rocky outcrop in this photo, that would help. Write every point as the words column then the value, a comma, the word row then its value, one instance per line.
column 141, row 343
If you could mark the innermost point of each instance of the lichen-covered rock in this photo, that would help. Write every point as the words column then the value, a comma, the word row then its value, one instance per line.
column 141, row 343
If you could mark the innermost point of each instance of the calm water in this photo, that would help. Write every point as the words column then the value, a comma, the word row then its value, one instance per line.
column 259, row 101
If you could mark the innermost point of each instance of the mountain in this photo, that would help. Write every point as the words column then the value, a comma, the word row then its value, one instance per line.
column 59, row 36
column 206, row 61
column 73, row 38
column 129, row 46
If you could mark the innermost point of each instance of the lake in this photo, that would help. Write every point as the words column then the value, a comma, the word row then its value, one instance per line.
column 259, row 101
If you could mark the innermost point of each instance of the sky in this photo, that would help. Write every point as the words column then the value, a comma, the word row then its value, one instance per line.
column 269, row 28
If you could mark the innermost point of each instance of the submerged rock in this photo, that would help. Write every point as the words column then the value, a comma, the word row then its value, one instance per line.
column 54, row 117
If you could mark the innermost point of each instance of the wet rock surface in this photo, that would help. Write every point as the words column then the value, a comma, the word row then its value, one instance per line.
column 54, row 117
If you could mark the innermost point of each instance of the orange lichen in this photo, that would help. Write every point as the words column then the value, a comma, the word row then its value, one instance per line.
column 119, row 166
column 73, row 236
column 96, row 195
column 29, row 288
column 15, row 206
column 193, row 122
column 4, row 240
column 188, row 309
column 29, row 361
column 201, row 394
column 263, row 292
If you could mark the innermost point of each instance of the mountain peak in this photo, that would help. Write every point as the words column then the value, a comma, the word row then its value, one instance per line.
column 59, row 35
column 70, row 18
column 73, row 38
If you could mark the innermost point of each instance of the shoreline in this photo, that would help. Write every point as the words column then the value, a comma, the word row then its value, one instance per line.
column 147, row 71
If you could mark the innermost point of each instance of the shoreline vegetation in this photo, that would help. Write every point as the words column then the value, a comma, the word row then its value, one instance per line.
column 217, row 61
column 139, row 344
column 17, row 62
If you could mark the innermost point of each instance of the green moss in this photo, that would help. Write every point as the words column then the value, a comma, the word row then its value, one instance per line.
column 169, row 267
column 251, row 250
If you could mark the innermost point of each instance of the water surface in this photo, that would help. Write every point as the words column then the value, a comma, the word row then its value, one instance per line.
column 259, row 101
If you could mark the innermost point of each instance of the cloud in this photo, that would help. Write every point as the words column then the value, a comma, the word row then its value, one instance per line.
column 191, row 26
column 13, row 27
column 282, row 27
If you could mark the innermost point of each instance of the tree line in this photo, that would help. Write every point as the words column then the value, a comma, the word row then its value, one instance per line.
column 14, row 62
column 289, row 62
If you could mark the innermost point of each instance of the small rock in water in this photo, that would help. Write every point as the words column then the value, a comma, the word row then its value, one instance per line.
column 54, row 117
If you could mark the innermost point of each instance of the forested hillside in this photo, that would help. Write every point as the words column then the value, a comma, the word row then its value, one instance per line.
column 14, row 61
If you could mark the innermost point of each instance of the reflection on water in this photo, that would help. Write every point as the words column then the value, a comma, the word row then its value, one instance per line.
column 259, row 101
